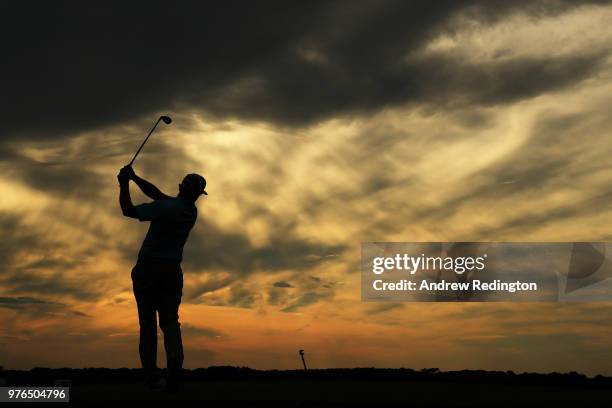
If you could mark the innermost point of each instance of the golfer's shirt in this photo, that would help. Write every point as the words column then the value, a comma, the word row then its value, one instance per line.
column 171, row 220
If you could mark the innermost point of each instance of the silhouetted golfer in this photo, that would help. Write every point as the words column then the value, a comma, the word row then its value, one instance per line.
column 157, row 277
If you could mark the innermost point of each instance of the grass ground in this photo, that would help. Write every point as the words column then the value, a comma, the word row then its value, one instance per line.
column 372, row 387
column 329, row 392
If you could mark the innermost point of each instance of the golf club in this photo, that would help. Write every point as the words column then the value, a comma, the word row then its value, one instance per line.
column 166, row 119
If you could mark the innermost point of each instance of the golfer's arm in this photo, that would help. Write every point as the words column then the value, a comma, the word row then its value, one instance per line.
column 148, row 188
column 125, row 201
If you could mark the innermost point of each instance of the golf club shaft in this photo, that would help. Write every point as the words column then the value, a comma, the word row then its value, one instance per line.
column 145, row 141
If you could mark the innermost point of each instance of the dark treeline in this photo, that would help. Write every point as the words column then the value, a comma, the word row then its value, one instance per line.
column 48, row 376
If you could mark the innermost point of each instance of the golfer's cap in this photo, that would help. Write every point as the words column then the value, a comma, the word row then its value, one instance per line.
column 195, row 183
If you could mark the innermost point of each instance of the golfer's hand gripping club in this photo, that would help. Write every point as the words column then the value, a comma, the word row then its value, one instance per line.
column 125, row 174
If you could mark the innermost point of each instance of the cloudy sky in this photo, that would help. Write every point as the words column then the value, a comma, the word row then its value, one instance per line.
column 318, row 125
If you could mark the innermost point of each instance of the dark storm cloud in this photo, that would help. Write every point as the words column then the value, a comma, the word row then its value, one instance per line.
column 443, row 81
column 13, row 238
column 17, row 281
column 77, row 313
column 187, row 328
column 385, row 307
column 60, row 178
column 207, row 287
column 37, row 306
column 307, row 299
column 238, row 296
column 594, row 205
column 546, row 163
column 70, row 66
column 210, row 247
column 21, row 279
column 562, row 151
column 241, row 297
column 282, row 284
column 23, row 302
column 277, row 296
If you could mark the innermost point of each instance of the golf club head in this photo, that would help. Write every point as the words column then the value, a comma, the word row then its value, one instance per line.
column 167, row 120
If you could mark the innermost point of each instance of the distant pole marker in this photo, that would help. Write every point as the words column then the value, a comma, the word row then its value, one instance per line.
column 303, row 361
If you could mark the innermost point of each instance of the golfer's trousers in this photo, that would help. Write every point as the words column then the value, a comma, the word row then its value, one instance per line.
column 158, row 287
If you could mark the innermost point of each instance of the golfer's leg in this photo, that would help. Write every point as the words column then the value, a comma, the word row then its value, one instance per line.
column 169, row 323
column 148, row 331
